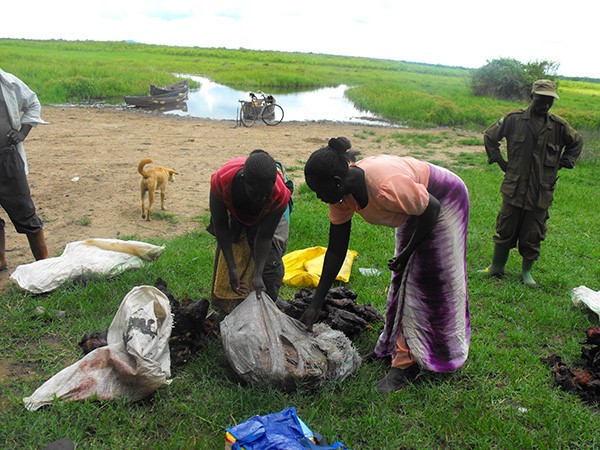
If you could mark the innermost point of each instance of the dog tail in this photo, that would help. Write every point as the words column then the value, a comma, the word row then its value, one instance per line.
column 141, row 165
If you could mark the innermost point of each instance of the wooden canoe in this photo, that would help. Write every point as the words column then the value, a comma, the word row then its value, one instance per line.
column 181, row 106
column 178, row 87
column 141, row 101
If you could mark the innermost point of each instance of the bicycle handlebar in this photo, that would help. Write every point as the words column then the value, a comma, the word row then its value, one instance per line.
column 264, row 98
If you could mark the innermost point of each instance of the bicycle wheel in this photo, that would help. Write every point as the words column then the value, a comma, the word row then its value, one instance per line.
column 248, row 115
column 272, row 114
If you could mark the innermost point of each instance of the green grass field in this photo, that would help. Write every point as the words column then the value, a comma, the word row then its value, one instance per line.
column 409, row 93
column 503, row 398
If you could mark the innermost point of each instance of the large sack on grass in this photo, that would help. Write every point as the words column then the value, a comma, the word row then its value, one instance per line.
column 83, row 260
column 303, row 267
column 269, row 348
column 583, row 296
column 134, row 363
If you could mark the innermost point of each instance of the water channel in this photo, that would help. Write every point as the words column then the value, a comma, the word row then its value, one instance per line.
column 217, row 102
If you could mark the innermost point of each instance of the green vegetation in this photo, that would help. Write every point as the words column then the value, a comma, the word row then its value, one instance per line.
column 509, row 79
column 84, row 222
column 413, row 94
column 162, row 215
column 505, row 396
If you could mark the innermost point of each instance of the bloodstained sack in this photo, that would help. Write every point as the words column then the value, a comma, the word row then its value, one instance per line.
column 134, row 363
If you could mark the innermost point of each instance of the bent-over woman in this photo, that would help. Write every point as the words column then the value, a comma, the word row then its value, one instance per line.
column 249, row 205
column 427, row 321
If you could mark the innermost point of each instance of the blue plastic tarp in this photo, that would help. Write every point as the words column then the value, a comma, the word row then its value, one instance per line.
column 277, row 431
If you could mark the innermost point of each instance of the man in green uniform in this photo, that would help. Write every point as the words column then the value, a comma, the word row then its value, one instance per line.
column 538, row 144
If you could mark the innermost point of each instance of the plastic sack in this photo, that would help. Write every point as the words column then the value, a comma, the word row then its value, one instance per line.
column 266, row 347
column 282, row 430
column 134, row 364
column 303, row 267
column 82, row 260
column 585, row 297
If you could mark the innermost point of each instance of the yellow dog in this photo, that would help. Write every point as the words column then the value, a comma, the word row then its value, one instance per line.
column 154, row 179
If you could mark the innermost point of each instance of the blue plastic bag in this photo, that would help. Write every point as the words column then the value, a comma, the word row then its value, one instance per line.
column 278, row 431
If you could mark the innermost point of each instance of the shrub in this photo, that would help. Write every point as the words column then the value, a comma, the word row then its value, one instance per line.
column 509, row 79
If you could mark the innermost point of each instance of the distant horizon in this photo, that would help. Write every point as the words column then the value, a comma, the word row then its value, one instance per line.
column 132, row 41
column 462, row 33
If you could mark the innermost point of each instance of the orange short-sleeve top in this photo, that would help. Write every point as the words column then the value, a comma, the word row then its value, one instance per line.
column 396, row 187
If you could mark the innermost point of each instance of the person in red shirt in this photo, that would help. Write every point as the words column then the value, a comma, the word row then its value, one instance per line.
column 249, row 198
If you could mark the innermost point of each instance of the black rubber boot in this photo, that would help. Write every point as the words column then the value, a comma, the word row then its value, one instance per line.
column 526, row 277
column 396, row 379
column 496, row 269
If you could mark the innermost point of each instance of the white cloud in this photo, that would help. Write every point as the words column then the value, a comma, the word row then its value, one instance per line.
column 460, row 33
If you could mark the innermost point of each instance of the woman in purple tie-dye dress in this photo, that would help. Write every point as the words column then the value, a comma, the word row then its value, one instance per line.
column 427, row 323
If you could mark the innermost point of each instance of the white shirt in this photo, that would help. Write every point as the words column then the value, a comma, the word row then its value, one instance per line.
column 23, row 106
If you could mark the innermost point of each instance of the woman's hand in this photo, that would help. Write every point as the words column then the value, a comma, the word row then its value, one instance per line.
column 423, row 226
column 398, row 263
column 310, row 316
column 259, row 286
column 234, row 281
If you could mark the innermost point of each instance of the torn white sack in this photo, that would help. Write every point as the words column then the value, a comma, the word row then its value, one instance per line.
column 266, row 347
column 584, row 296
column 82, row 260
column 134, row 363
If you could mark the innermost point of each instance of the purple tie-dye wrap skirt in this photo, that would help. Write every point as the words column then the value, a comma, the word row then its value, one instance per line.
column 428, row 303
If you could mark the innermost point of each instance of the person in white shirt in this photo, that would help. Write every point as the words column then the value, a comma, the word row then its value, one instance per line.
column 20, row 111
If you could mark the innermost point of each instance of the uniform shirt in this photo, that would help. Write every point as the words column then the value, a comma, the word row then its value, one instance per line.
column 222, row 180
column 396, row 187
column 22, row 105
column 535, row 151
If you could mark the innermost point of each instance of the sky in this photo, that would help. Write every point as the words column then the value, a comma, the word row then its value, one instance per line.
column 465, row 33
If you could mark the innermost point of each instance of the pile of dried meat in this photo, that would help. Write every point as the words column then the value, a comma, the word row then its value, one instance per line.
column 583, row 381
column 188, row 336
column 340, row 310
column 190, row 328
column 192, row 323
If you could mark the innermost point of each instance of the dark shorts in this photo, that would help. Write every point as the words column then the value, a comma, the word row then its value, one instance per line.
column 15, row 196
column 274, row 275
column 525, row 229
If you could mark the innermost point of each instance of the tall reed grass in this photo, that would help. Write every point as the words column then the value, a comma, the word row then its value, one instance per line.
column 410, row 93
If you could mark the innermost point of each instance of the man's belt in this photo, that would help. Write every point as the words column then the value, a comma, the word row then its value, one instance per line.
column 8, row 148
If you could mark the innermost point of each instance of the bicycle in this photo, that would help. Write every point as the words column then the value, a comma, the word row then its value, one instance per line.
column 264, row 108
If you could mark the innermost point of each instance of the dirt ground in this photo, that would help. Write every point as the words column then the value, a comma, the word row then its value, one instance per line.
column 83, row 168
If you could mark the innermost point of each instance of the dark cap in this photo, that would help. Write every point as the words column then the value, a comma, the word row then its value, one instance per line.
column 544, row 87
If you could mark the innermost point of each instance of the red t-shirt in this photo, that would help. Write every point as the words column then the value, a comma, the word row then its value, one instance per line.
column 220, row 186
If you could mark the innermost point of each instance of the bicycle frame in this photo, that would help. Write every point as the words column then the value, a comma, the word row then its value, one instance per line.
column 263, row 107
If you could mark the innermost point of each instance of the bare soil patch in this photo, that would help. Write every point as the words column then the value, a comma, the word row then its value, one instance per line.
column 83, row 168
